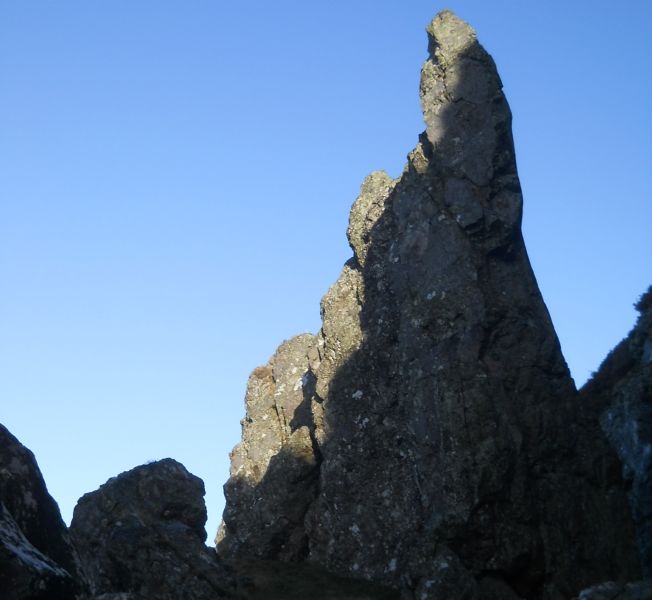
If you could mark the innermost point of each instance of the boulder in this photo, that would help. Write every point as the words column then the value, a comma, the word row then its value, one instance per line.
column 141, row 534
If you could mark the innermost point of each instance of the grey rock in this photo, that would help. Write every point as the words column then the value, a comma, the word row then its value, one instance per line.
column 622, row 388
column 445, row 452
column 141, row 534
column 36, row 557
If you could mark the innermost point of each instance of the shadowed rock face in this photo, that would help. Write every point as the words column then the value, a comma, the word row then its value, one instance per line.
column 622, row 389
column 142, row 533
column 36, row 558
column 430, row 436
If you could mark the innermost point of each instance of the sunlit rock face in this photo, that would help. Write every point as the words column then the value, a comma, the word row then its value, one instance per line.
column 429, row 437
column 142, row 534
column 275, row 468
column 36, row 557
column 622, row 389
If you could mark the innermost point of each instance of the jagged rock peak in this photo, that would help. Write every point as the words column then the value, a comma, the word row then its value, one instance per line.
column 431, row 438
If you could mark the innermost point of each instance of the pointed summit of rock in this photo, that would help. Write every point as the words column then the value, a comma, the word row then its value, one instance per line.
column 429, row 437
column 448, row 36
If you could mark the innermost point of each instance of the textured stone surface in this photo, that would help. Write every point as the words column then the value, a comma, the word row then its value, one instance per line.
column 36, row 558
column 142, row 534
column 445, row 451
column 622, row 387
column 277, row 432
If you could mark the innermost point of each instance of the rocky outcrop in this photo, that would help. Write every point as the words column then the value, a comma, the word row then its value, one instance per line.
column 427, row 443
column 36, row 558
column 429, row 437
column 622, row 389
column 142, row 535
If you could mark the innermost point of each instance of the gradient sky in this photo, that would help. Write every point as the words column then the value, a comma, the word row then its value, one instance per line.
column 175, row 181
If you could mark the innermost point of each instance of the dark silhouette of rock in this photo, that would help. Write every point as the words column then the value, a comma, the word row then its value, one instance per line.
column 430, row 437
column 36, row 558
column 142, row 534
column 622, row 389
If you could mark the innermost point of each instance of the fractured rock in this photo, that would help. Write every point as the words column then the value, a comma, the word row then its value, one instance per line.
column 430, row 437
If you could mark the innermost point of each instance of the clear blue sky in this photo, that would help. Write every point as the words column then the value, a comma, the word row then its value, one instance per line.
column 175, row 181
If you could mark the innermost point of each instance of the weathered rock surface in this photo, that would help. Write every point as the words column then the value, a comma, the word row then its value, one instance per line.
column 278, row 444
column 142, row 535
column 430, row 437
column 36, row 558
column 622, row 389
